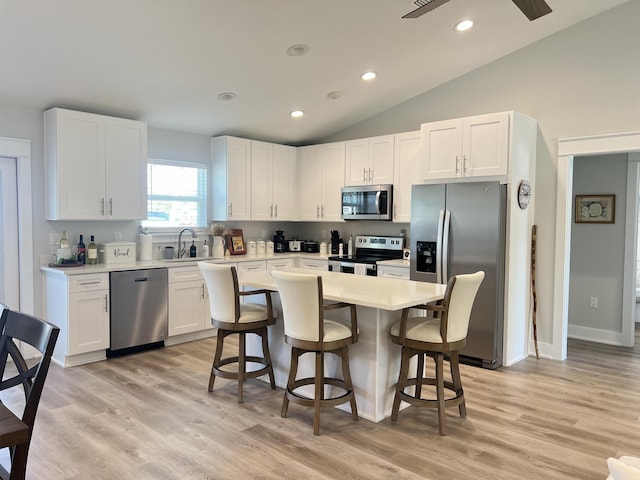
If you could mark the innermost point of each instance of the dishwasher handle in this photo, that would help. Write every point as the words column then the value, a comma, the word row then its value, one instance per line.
column 141, row 279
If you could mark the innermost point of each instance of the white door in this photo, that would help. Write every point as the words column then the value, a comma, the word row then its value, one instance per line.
column 9, row 268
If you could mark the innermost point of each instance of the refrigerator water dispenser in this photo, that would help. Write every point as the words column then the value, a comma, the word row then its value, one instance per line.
column 426, row 257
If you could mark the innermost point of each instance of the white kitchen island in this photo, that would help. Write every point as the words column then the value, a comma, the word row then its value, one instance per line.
column 374, row 359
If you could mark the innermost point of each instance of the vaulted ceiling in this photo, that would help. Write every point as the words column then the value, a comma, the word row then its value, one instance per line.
column 167, row 61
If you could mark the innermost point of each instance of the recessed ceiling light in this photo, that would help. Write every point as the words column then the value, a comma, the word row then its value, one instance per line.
column 298, row 50
column 463, row 25
column 368, row 75
column 223, row 97
column 297, row 113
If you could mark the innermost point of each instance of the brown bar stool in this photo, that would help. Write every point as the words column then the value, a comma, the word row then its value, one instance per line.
column 230, row 316
column 307, row 330
column 438, row 338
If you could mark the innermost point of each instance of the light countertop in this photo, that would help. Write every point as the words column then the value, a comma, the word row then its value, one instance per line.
column 114, row 267
column 375, row 292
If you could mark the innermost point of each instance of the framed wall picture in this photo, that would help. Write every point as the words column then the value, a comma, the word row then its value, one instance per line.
column 235, row 242
column 595, row 208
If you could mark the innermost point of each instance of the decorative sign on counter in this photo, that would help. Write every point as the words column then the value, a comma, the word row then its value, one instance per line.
column 235, row 241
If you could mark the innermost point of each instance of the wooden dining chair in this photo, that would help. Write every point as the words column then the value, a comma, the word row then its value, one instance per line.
column 307, row 329
column 439, row 337
column 16, row 430
column 230, row 316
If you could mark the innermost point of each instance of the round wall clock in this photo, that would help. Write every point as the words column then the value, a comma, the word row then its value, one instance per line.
column 524, row 194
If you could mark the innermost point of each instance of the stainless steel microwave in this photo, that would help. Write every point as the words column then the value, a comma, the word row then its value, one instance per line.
column 367, row 202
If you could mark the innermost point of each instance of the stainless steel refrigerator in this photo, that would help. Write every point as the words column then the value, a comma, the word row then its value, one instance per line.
column 460, row 228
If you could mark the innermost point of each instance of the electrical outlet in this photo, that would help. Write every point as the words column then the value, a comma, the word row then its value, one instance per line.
column 264, row 234
column 593, row 302
column 323, row 234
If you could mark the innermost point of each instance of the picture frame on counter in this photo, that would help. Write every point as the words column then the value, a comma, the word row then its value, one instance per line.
column 235, row 242
column 595, row 208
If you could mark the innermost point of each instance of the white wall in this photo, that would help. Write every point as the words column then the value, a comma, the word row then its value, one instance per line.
column 580, row 81
column 597, row 266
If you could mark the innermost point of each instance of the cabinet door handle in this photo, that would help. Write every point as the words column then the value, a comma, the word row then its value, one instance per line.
column 102, row 206
column 252, row 269
column 276, row 215
column 317, row 211
column 322, row 211
column 395, row 212
column 457, row 165
column 203, row 290
column 106, row 302
column 271, row 211
column 85, row 283
column 370, row 175
column 364, row 175
column 465, row 165
column 111, row 206
column 230, row 209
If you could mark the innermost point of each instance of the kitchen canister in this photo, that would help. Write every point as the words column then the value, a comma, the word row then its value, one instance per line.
column 323, row 248
column 261, row 247
column 251, row 247
column 269, row 247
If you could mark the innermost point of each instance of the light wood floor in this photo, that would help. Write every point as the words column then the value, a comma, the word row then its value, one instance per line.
column 149, row 416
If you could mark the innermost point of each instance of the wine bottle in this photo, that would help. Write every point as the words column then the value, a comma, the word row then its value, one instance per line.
column 92, row 252
column 82, row 251
column 63, row 253
column 192, row 249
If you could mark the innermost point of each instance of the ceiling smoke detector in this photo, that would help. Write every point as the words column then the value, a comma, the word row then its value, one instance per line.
column 334, row 95
column 298, row 50
column 226, row 96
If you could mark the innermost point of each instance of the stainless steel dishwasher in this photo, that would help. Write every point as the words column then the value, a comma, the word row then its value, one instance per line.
column 139, row 311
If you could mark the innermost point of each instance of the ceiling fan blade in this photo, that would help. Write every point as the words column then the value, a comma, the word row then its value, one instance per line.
column 425, row 7
column 533, row 8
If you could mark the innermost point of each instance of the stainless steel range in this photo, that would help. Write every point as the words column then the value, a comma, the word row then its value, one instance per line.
column 368, row 250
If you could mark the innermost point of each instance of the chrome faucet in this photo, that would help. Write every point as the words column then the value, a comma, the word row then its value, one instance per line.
column 182, row 246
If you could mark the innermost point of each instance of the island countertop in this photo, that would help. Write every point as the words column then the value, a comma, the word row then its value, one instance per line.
column 375, row 292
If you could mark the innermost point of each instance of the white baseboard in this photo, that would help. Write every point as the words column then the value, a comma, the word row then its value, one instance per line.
column 598, row 335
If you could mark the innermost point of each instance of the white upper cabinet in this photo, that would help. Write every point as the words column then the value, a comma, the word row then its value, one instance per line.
column 466, row 147
column 406, row 166
column 320, row 182
column 230, row 178
column 369, row 161
column 273, row 181
column 95, row 166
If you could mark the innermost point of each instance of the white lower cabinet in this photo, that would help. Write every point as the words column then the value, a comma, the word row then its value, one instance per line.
column 277, row 264
column 393, row 272
column 188, row 301
column 79, row 305
column 313, row 264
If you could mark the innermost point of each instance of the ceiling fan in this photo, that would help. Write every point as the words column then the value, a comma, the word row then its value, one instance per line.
column 531, row 8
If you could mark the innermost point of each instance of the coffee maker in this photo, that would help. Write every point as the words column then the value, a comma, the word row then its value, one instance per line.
column 279, row 244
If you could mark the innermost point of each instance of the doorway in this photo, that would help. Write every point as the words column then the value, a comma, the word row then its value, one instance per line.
column 9, row 268
column 19, row 153
column 568, row 149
